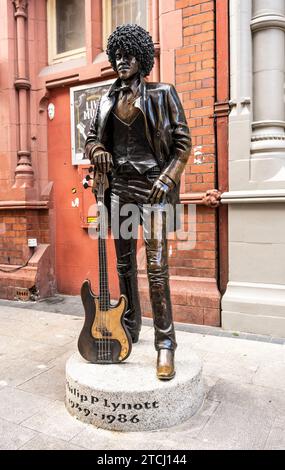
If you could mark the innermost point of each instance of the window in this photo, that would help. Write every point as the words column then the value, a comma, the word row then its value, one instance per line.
column 66, row 21
column 118, row 12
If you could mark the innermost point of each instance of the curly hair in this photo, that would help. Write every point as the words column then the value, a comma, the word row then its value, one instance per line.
column 135, row 41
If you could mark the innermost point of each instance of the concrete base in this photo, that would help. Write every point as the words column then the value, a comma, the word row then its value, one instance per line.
column 254, row 308
column 128, row 396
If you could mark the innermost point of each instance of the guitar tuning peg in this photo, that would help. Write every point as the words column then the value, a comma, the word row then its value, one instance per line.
column 91, row 169
column 85, row 183
column 88, row 178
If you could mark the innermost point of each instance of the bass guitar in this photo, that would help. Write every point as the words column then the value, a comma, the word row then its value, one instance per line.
column 104, row 338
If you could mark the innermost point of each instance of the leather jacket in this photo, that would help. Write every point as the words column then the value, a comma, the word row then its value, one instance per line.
column 165, row 125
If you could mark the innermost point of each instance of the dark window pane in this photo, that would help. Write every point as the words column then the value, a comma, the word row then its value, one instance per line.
column 70, row 25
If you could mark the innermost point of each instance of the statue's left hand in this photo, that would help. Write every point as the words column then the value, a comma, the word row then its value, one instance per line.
column 159, row 191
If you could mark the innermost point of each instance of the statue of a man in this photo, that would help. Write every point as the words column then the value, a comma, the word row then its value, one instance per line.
column 140, row 138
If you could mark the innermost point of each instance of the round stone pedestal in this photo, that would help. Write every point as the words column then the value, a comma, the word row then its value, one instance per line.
column 128, row 396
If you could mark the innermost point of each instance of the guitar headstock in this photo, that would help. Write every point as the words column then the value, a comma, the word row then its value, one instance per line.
column 99, row 181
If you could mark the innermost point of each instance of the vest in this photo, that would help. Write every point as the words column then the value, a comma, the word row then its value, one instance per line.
column 130, row 144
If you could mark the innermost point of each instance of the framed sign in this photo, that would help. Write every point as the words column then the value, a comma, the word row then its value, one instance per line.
column 83, row 103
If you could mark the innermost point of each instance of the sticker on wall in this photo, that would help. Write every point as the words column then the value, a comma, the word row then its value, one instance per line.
column 198, row 155
column 92, row 220
column 75, row 203
column 51, row 111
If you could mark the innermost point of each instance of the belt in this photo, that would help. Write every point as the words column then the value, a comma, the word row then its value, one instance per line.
column 130, row 169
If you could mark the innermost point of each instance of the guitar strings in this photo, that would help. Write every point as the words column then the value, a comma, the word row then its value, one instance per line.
column 107, row 286
column 106, row 326
column 101, row 339
column 103, row 278
column 107, row 314
column 98, row 229
column 103, row 272
column 100, row 195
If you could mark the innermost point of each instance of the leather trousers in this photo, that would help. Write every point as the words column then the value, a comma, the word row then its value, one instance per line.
column 130, row 187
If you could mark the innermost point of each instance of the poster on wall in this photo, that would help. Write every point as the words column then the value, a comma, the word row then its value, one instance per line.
column 83, row 103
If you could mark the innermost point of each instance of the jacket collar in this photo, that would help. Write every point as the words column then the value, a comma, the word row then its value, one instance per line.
column 117, row 84
column 140, row 102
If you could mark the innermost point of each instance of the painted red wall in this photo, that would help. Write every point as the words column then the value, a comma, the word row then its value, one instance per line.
column 76, row 252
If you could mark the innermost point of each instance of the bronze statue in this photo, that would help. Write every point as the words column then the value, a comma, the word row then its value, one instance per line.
column 140, row 139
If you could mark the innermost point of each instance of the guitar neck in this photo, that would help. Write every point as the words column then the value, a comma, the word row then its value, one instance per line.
column 103, row 265
column 103, row 275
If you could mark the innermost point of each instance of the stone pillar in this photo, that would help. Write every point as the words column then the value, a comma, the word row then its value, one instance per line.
column 241, row 92
column 170, row 29
column 24, row 175
column 255, row 297
column 268, row 139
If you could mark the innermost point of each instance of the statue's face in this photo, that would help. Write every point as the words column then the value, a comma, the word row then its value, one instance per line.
column 126, row 64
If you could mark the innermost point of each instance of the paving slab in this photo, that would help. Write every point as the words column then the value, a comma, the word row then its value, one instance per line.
column 44, row 442
column 245, row 394
column 276, row 438
column 196, row 424
column 29, row 350
column 50, row 384
column 17, row 405
column 13, row 436
column 269, row 374
column 41, row 331
column 53, row 421
column 97, row 439
column 234, row 367
column 238, row 427
column 244, row 406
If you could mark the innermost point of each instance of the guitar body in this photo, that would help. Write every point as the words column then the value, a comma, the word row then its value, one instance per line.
column 104, row 338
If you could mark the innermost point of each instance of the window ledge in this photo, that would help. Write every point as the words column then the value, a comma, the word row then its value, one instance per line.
column 63, row 66
column 101, row 60
column 101, row 57
column 76, row 71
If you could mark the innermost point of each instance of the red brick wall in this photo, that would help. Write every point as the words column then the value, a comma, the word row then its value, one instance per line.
column 195, row 81
column 16, row 227
column 201, row 259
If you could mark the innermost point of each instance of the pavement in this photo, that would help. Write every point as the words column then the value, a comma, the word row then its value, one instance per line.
column 244, row 377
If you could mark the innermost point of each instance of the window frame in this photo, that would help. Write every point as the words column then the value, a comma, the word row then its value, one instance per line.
column 107, row 19
column 53, row 56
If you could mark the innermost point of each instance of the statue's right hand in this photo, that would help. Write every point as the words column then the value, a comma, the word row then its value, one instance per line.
column 102, row 160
